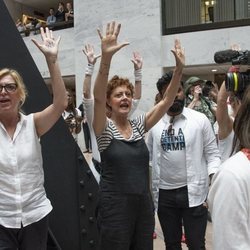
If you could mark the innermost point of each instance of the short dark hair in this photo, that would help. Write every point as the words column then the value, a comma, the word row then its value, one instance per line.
column 164, row 80
column 207, row 87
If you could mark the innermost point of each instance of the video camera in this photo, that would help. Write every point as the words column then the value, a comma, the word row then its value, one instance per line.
column 235, row 81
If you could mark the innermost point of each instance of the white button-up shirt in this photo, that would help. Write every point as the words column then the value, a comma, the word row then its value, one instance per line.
column 22, row 195
column 201, row 154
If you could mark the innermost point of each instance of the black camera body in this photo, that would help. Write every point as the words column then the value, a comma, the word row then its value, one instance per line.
column 235, row 81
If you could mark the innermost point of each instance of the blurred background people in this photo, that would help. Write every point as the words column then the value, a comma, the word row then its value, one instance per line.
column 195, row 99
column 69, row 14
column 51, row 19
column 72, row 115
column 60, row 13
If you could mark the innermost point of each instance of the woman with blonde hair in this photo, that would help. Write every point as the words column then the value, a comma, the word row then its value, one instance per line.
column 24, row 207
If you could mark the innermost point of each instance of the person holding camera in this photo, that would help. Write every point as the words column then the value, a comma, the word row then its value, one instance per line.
column 229, row 195
column 195, row 99
column 224, row 119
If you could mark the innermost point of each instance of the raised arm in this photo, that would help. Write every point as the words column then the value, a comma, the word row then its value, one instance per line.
column 225, row 122
column 155, row 114
column 109, row 47
column 92, row 58
column 45, row 119
column 137, row 61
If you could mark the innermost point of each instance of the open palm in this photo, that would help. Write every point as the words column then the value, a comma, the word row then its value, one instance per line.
column 109, row 42
column 48, row 46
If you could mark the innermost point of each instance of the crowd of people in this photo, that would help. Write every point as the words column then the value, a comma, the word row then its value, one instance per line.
column 59, row 18
column 196, row 138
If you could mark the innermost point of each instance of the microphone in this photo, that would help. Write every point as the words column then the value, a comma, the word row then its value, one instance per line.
column 225, row 56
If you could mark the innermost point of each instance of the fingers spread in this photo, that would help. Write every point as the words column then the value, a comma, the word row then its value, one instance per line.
column 43, row 36
column 47, row 32
column 108, row 29
column 99, row 33
column 117, row 29
column 123, row 45
column 58, row 40
column 35, row 42
column 112, row 28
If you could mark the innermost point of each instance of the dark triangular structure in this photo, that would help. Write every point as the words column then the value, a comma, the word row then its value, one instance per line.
column 69, row 182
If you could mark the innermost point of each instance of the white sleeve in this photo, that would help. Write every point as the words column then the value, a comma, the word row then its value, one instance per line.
column 211, row 149
column 228, row 204
column 88, row 106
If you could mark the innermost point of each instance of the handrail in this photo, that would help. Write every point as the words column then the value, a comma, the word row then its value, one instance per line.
column 54, row 26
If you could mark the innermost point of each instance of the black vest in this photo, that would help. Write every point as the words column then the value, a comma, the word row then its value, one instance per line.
column 125, row 167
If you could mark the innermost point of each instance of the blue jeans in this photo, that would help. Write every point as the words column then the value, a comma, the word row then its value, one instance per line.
column 31, row 237
column 173, row 211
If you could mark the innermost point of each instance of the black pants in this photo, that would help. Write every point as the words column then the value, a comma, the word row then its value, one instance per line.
column 31, row 237
column 126, row 222
column 173, row 211
column 86, row 133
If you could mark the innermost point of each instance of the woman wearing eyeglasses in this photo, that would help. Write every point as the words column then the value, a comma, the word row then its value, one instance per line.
column 23, row 203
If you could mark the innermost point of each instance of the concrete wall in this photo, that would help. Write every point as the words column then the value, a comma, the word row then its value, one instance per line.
column 200, row 46
column 140, row 26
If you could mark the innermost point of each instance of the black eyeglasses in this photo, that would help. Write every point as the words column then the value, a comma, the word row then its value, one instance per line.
column 8, row 87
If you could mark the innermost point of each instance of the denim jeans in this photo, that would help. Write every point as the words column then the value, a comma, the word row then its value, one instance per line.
column 173, row 212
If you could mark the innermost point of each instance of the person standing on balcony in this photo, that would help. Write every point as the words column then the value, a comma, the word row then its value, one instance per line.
column 51, row 19
column 60, row 13
column 69, row 15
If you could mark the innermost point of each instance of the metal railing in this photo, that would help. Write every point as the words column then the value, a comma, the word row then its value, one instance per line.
column 55, row 26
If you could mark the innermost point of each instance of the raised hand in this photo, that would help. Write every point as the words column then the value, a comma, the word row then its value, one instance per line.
column 48, row 46
column 90, row 54
column 137, row 60
column 179, row 54
column 109, row 42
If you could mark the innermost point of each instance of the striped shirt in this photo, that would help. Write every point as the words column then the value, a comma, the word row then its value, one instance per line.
column 110, row 132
